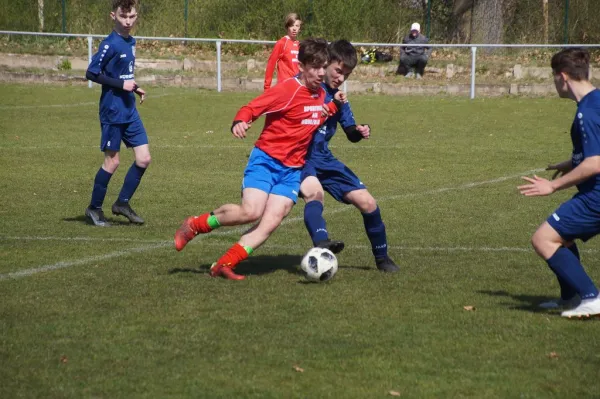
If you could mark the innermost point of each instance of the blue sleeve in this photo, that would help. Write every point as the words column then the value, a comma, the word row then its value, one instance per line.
column 590, row 130
column 101, row 58
column 346, row 116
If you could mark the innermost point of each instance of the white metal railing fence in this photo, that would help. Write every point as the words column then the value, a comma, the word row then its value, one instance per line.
column 219, row 42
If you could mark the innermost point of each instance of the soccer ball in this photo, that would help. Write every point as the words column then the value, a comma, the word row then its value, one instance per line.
column 319, row 264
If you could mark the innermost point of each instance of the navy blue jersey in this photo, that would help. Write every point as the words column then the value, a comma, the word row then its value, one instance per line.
column 319, row 147
column 585, row 134
column 116, row 59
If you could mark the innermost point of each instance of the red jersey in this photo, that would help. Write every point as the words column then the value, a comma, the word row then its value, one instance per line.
column 293, row 114
column 285, row 56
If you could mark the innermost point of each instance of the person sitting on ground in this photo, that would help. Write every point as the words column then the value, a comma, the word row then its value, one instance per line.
column 414, row 57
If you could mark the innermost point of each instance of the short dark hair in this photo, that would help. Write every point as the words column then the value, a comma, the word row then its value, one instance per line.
column 575, row 62
column 313, row 52
column 343, row 51
column 126, row 5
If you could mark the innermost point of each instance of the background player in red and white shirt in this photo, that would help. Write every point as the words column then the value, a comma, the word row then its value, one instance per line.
column 294, row 110
column 284, row 56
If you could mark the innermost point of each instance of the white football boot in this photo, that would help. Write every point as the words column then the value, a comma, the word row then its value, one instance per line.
column 587, row 308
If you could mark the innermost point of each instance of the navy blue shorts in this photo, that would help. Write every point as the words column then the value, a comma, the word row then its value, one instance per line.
column 335, row 177
column 576, row 219
column 133, row 134
column 267, row 174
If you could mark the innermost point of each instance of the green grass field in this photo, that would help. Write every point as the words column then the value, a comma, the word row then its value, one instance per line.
column 118, row 313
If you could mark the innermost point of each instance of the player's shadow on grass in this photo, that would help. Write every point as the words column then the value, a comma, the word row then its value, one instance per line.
column 256, row 266
column 112, row 221
column 528, row 303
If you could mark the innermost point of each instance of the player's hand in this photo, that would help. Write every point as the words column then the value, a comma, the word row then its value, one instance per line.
column 325, row 112
column 129, row 85
column 559, row 168
column 239, row 130
column 341, row 96
column 538, row 186
column 364, row 130
column 142, row 93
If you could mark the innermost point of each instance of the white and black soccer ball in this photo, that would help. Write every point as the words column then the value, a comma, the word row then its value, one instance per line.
column 319, row 265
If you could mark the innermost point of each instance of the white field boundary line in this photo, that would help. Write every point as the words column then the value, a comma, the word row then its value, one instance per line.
column 287, row 246
column 146, row 248
column 208, row 146
column 73, row 105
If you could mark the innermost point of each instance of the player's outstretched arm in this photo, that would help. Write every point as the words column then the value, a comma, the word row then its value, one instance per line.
column 539, row 186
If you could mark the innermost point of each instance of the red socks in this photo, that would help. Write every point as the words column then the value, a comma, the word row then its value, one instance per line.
column 233, row 256
column 200, row 224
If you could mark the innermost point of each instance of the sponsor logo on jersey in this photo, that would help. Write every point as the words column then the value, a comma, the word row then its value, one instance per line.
column 123, row 55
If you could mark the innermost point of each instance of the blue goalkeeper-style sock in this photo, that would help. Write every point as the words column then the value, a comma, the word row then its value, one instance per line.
column 376, row 232
column 314, row 221
column 131, row 183
column 566, row 291
column 100, row 186
column 569, row 271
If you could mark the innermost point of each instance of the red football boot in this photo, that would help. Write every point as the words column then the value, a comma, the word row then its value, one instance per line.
column 224, row 271
column 185, row 233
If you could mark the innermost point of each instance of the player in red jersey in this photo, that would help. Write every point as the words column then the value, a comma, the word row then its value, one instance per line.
column 285, row 53
column 294, row 110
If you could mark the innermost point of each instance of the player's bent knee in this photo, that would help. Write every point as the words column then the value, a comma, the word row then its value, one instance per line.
column 250, row 215
column 111, row 164
column 365, row 203
column 314, row 196
column 370, row 204
column 544, row 247
column 143, row 162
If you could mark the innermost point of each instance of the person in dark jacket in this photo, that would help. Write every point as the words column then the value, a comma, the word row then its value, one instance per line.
column 414, row 57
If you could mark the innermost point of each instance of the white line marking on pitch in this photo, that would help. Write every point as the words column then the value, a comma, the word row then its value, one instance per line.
column 61, row 265
column 287, row 246
column 81, row 104
column 210, row 146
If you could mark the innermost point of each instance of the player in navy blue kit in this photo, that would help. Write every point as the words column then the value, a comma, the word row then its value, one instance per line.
column 323, row 172
column 113, row 67
column 578, row 218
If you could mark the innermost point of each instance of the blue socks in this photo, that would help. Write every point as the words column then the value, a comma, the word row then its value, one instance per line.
column 571, row 275
column 100, row 187
column 314, row 222
column 131, row 183
column 376, row 232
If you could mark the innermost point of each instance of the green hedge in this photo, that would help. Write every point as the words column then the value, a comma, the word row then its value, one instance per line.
column 356, row 20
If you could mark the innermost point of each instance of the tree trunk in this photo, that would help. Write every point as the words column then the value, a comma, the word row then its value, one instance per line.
column 41, row 14
column 461, row 24
column 488, row 25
